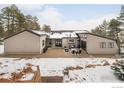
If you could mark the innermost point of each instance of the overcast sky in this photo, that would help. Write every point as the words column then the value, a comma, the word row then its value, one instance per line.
column 70, row 17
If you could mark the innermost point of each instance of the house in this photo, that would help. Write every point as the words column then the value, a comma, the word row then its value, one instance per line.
column 95, row 44
column 35, row 42
column 25, row 42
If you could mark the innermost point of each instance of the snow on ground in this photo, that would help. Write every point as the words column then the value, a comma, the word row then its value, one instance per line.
column 1, row 49
column 55, row 67
column 98, row 74
column 10, row 66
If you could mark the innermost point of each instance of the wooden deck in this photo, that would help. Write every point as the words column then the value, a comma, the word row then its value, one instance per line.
column 58, row 53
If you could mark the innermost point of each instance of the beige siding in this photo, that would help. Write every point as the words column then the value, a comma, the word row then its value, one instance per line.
column 66, row 42
column 24, row 42
column 93, row 45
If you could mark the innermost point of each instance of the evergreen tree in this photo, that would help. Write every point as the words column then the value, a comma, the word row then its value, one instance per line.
column 121, row 18
column 114, row 28
column 46, row 28
column 6, row 18
column 1, row 28
column 118, row 69
column 14, row 20
column 20, row 24
column 36, row 26
column 101, row 29
column 32, row 23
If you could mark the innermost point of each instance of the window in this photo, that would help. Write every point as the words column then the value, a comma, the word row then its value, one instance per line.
column 84, row 36
column 110, row 44
column 50, row 43
column 71, row 40
column 102, row 44
column 58, row 42
column 43, row 42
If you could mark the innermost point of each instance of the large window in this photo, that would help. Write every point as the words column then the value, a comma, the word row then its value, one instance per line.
column 110, row 44
column 58, row 42
column 102, row 44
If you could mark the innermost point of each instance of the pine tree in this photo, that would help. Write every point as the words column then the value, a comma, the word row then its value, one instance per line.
column 35, row 23
column 114, row 28
column 32, row 23
column 46, row 28
column 1, row 28
column 20, row 24
column 101, row 29
column 6, row 18
column 121, row 18
column 14, row 20
column 118, row 69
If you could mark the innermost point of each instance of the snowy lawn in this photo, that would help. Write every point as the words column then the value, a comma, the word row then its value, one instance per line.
column 12, row 70
column 82, row 69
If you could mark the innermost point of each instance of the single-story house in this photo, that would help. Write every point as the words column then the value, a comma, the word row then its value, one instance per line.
column 25, row 42
column 95, row 44
column 31, row 41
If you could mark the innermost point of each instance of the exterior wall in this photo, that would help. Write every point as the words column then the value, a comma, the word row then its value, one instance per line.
column 93, row 45
column 22, row 43
column 67, row 43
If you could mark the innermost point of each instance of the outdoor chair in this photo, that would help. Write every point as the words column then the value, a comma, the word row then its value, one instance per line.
column 76, row 52
column 79, row 52
column 73, row 52
column 66, row 50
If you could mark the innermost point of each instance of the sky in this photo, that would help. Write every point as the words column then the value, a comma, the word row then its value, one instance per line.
column 71, row 16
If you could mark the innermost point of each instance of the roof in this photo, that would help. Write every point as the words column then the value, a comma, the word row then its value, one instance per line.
column 40, row 32
column 62, row 35
column 96, row 35
column 60, row 31
column 52, row 34
column 58, row 34
column 35, row 32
